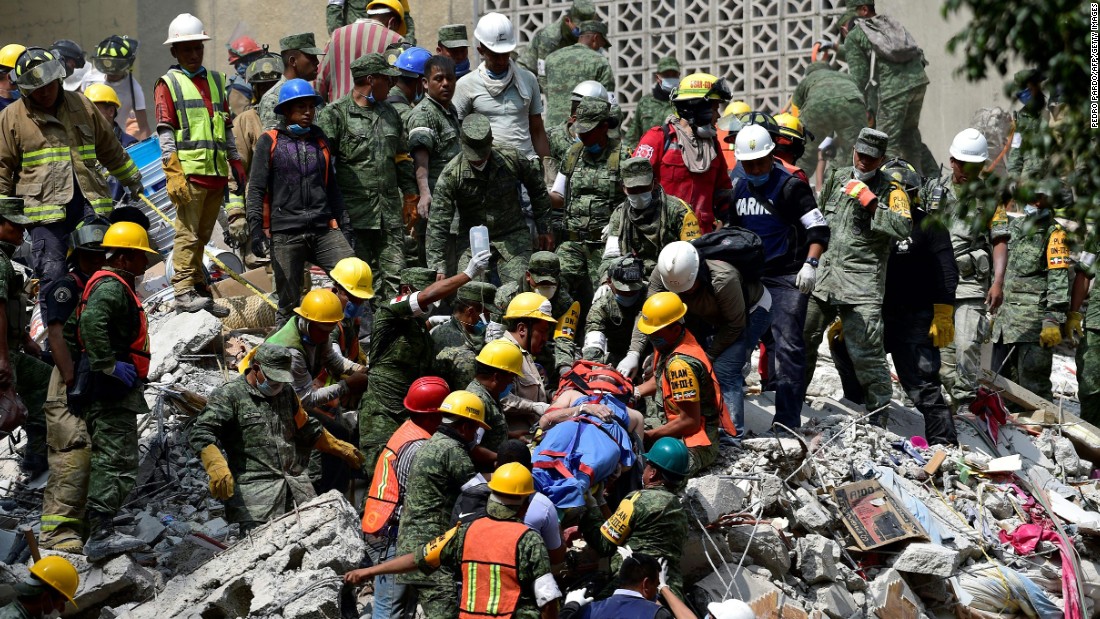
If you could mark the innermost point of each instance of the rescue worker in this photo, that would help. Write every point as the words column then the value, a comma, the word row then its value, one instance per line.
column 21, row 369
column 1028, row 325
column 382, row 26
column 113, row 64
column 560, row 33
column 610, row 320
column 530, row 325
column 562, row 136
column 479, row 186
column 587, row 189
column 690, row 394
column 499, row 364
column 390, row 485
column 467, row 322
column 1082, row 330
column 648, row 220
column 112, row 336
column 401, row 349
column 373, row 168
column 684, row 150
column 504, row 563
column 50, row 141
column 641, row 579
column 243, row 51
column 408, row 90
column 52, row 581
column 790, row 144
column 454, row 43
column 69, row 449
column 543, row 276
column 1025, row 161
column 564, row 68
column 780, row 208
column 343, row 12
column 301, row 59
column 729, row 123
column 832, row 105
column 9, row 91
column 866, row 210
column 295, row 209
column 651, row 520
column 75, row 61
column 257, row 419
column 654, row 109
column 979, row 236
column 353, row 284
column 199, row 155
column 921, row 278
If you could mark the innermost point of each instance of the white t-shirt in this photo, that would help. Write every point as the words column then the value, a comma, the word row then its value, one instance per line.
column 75, row 82
column 122, row 89
column 509, row 113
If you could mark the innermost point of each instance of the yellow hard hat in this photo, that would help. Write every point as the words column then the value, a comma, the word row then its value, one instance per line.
column 464, row 404
column 102, row 93
column 320, row 305
column 10, row 53
column 127, row 235
column 58, row 573
column 697, row 86
column 512, row 478
column 397, row 6
column 355, row 276
column 790, row 126
column 502, row 355
column 737, row 108
column 661, row 310
column 530, row 305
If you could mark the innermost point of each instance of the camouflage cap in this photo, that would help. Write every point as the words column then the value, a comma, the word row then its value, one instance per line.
column 636, row 172
column 303, row 42
column 627, row 273
column 593, row 26
column 668, row 63
column 11, row 209
column 814, row 67
column 479, row 292
column 544, row 267
column 582, row 10
column 1024, row 76
column 454, row 35
column 852, row 5
column 872, row 142
column 477, row 137
column 417, row 278
column 590, row 113
column 372, row 64
column 274, row 362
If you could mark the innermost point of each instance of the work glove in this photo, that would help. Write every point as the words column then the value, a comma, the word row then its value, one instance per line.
column 1051, row 335
column 221, row 480
column 410, row 210
column 1074, row 329
column 806, row 278
column 860, row 191
column 236, row 235
column 478, row 264
column 942, row 330
column 179, row 190
column 629, row 365
column 662, row 576
column 125, row 372
column 136, row 189
column 261, row 243
column 836, row 332
column 580, row 596
column 601, row 292
column 333, row 446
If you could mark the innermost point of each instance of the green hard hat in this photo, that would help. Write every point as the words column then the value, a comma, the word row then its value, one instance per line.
column 669, row 455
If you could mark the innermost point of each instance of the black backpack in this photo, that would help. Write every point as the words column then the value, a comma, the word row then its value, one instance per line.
column 740, row 247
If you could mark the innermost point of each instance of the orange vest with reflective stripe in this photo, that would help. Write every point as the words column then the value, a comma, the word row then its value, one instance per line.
column 490, row 576
column 139, row 348
column 690, row 347
column 385, row 492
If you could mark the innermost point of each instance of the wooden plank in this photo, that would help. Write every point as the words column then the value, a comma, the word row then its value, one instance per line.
column 935, row 463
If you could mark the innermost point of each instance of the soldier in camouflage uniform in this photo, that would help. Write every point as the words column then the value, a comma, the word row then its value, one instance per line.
column 614, row 310
column 979, row 238
column 562, row 136
column 829, row 104
column 588, row 188
column 887, row 64
column 543, row 276
column 257, row 420
column 467, row 324
column 373, row 168
column 1085, row 331
column 648, row 220
column 654, row 108
column 343, row 12
column 574, row 64
column 1028, row 325
column 560, row 33
column 300, row 60
column 1027, row 163
column 480, row 187
column 866, row 211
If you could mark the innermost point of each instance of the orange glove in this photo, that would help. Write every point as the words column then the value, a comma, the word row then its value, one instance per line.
column 409, row 212
column 860, row 191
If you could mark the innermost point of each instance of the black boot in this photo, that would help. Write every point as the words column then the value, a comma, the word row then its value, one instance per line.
column 105, row 541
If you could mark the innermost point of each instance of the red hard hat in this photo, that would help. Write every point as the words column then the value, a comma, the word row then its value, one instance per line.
column 426, row 394
column 241, row 47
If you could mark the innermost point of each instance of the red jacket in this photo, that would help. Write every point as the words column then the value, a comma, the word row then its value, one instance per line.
column 698, row 190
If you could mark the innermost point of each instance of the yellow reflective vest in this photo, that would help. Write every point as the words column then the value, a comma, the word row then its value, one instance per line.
column 200, row 139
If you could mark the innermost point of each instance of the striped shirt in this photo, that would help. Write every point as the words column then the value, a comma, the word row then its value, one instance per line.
column 349, row 43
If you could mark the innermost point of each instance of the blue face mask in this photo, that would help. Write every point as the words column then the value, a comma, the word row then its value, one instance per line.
column 242, row 69
column 758, row 179
column 593, row 149
column 462, row 68
column 628, row 301
column 419, row 97
column 658, row 342
column 1031, row 210
column 269, row 388
column 1024, row 96
column 507, row 390
column 189, row 73
column 353, row 311
column 576, row 31
column 497, row 76
column 297, row 130
column 371, row 99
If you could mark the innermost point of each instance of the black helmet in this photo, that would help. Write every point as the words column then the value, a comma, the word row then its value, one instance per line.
column 266, row 68
column 767, row 121
column 69, row 50
column 37, row 67
column 115, row 54
column 904, row 174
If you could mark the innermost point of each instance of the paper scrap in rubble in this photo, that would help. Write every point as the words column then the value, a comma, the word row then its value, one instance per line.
column 1007, row 464
column 873, row 516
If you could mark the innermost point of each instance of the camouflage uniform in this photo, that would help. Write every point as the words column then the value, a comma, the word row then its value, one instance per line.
column 266, row 445
column 400, row 103
column 643, row 234
column 653, row 108
column 829, row 102
column 435, row 129
column 545, row 268
column 973, row 232
column 343, row 12
column 439, row 469
column 852, row 275
column 303, row 42
column 457, row 365
column 374, row 170
column 15, row 610
column 1036, row 293
column 1023, row 161
column 494, row 416
column 553, row 37
column 569, row 66
column 610, row 322
column 452, row 332
column 1088, row 349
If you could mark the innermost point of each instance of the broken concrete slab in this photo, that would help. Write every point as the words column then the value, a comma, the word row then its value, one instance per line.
column 743, row 585
column 817, row 559
column 188, row 332
column 148, row 528
column 835, row 601
column 765, row 547
column 929, row 559
column 117, row 581
column 714, row 496
column 883, row 592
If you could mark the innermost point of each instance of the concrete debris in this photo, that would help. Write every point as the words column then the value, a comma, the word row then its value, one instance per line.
column 115, row 582
column 189, row 332
column 929, row 559
column 817, row 559
column 763, row 545
column 714, row 496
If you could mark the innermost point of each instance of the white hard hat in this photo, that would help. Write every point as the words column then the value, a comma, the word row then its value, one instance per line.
column 678, row 265
column 495, row 31
column 970, row 146
column 730, row 609
column 753, row 142
column 589, row 88
column 186, row 27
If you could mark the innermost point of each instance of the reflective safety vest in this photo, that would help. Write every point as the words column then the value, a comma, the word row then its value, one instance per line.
column 139, row 348
column 200, row 141
column 690, row 347
column 385, row 491
column 490, row 576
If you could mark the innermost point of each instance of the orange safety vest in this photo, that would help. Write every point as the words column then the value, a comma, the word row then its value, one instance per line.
column 490, row 576
column 690, row 347
column 139, row 348
column 385, row 492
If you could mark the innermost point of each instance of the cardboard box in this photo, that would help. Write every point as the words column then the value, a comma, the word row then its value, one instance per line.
column 260, row 278
column 873, row 516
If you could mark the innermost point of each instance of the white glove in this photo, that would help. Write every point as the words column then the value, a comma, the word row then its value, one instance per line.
column 435, row 321
column 629, row 365
column 625, row 551
column 494, row 331
column 478, row 264
column 807, row 277
column 601, row 292
column 540, row 407
column 662, row 577
column 580, row 596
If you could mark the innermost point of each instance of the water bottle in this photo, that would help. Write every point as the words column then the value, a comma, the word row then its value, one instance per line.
column 479, row 240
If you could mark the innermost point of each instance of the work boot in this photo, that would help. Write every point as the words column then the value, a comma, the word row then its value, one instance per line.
column 191, row 301
column 62, row 539
column 106, row 542
column 33, row 464
column 218, row 311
